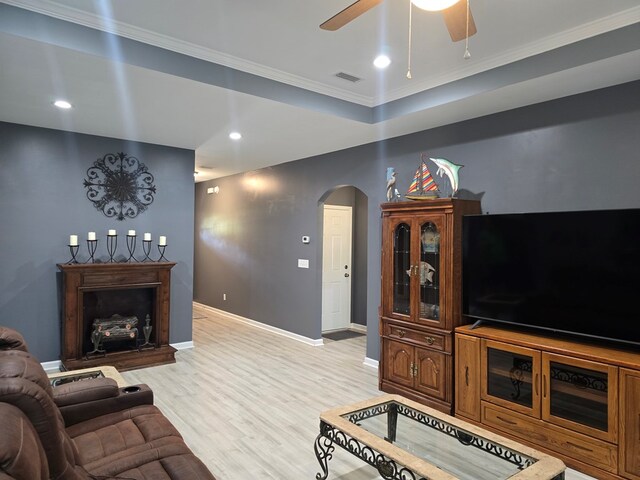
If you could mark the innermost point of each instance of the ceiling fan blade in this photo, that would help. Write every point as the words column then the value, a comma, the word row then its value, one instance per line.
column 456, row 19
column 352, row 12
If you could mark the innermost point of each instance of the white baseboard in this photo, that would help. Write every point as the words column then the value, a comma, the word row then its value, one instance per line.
column 285, row 333
column 356, row 327
column 182, row 345
column 53, row 366
column 370, row 362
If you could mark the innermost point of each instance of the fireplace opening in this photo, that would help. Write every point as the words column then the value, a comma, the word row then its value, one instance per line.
column 114, row 320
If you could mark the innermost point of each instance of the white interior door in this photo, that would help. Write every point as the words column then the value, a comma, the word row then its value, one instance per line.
column 336, row 268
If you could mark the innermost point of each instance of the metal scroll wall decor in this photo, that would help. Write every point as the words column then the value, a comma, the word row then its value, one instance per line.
column 120, row 186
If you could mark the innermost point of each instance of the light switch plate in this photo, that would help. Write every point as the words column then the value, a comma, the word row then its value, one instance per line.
column 303, row 263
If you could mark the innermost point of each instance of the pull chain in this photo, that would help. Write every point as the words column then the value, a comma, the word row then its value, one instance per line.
column 467, row 53
column 409, row 59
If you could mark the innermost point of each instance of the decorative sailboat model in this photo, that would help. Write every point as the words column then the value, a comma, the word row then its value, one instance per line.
column 423, row 187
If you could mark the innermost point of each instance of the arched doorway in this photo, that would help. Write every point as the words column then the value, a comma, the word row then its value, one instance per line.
column 342, row 278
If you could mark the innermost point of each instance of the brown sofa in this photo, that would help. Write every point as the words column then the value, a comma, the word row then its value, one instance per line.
column 89, row 429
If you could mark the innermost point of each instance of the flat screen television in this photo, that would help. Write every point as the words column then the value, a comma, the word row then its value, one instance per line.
column 571, row 272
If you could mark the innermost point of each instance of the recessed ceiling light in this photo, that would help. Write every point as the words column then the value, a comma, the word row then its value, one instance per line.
column 235, row 135
column 382, row 61
column 62, row 104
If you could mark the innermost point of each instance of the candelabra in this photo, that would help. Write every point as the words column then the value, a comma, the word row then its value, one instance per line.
column 112, row 245
column 161, row 249
column 74, row 251
column 146, row 248
column 131, row 246
column 91, row 246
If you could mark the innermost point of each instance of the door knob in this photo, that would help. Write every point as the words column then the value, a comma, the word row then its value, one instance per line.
column 346, row 274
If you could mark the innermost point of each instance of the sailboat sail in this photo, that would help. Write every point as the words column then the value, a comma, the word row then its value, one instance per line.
column 415, row 184
column 428, row 184
column 423, row 185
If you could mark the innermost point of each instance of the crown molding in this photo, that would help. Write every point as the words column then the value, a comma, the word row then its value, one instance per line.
column 587, row 30
column 74, row 15
column 70, row 14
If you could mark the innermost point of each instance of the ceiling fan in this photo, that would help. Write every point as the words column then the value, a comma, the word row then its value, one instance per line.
column 453, row 11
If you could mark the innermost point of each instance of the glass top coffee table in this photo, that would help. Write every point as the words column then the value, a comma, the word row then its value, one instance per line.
column 405, row 440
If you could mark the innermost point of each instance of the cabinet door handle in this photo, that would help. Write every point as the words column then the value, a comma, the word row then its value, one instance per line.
column 580, row 447
column 466, row 375
column 429, row 340
column 544, row 386
column 401, row 333
column 537, row 377
column 415, row 269
column 505, row 420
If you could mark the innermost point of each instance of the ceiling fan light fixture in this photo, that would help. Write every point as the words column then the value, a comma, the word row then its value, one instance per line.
column 382, row 62
column 434, row 5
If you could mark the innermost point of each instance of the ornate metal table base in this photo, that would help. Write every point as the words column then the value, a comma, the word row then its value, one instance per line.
column 388, row 468
column 324, row 447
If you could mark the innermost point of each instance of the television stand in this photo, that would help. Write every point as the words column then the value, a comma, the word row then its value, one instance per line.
column 574, row 400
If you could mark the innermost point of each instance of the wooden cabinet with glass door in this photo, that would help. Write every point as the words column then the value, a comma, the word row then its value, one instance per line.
column 421, row 295
column 578, row 401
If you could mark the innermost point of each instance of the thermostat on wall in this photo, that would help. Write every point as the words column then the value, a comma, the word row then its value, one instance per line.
column 305, row 239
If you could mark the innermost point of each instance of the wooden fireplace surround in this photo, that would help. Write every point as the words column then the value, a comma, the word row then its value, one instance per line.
column 80, row 278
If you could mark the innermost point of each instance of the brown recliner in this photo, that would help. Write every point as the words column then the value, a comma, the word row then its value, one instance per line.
column 89, row 429
column 21, row 454
column 10, row 339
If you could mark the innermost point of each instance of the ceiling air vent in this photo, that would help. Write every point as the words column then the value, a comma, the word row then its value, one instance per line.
column 347, row 77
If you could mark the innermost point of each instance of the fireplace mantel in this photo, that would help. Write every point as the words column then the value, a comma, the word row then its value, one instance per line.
column 117, row 280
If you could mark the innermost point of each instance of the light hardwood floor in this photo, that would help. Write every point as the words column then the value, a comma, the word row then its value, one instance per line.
column 247, row 400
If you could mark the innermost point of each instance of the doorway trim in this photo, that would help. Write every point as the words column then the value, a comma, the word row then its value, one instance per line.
column 360, row 240
column 336, row 280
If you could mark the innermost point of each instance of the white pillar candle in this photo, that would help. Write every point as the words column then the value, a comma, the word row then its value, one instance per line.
column 162, row 241
column 132, row 233
column 73, row 240
column 112, row 233
column 147, row 237
column 91, row 236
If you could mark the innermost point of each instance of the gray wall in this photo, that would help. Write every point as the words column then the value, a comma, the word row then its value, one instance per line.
column 576, row 153
column 360, row 266
column 43, row 201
